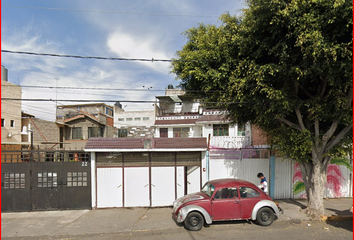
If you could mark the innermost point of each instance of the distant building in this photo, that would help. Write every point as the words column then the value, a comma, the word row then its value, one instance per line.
column 10, row 110
column 134, row 123
column 83, row 121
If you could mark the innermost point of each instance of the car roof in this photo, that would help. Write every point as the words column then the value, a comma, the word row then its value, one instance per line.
column 226, row 182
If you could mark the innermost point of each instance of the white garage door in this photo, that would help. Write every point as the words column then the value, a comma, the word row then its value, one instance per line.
column 109, row 187
column 162, row 186
column 136, row 187
column 180, row 182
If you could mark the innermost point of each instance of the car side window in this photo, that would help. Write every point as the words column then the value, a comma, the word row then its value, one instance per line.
column 247, row 192
column 226, row 193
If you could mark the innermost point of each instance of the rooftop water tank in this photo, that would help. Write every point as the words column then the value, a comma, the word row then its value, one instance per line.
column 3, row 73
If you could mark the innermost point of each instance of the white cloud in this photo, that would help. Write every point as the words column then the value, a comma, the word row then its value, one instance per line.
column 147, row 47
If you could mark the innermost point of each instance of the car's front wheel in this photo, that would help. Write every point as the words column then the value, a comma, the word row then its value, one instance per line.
column 265, row 216
column 194, row 221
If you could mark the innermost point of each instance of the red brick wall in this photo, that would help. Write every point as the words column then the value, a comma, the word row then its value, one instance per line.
column 259, row 137
column 109, row 121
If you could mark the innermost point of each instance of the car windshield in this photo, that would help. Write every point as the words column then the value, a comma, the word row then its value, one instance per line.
column 208, row 189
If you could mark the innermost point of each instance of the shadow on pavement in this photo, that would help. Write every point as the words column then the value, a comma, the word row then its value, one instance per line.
column 340, row 213
column 293, row 202
column 347, row 225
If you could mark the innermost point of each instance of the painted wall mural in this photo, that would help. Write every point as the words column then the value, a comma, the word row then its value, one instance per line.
column 336, row 182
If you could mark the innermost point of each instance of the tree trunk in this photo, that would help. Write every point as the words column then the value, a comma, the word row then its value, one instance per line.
column 314, row 175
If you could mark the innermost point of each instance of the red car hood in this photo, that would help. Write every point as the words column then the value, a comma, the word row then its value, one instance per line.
column 189, row 198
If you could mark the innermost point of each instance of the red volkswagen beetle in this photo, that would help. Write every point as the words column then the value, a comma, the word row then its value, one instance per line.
column 225, row 199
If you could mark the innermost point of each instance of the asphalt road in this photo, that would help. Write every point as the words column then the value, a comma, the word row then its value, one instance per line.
column 224, row 231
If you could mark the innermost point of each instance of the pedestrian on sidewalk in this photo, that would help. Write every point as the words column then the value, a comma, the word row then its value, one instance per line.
column 264, row 183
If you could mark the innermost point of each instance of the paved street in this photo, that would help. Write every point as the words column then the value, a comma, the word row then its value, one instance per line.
column 157, row 223
column 235, row 230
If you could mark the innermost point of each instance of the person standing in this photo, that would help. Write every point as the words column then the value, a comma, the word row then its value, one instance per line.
column 264, row 183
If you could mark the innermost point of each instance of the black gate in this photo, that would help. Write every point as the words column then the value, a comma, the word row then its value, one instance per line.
column 30, row 186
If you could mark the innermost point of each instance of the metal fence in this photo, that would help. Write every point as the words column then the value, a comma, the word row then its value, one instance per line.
column 11, row 156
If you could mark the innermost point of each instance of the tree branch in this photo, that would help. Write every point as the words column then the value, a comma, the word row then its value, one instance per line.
column 306, row 92
column 323, row 88
column 317, row 132
column 299, row 118
column 330, row 131
column 339, row 137
column 290, row 124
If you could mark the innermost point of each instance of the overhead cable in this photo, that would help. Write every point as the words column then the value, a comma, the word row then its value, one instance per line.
column 113, row 12
column 92, row 57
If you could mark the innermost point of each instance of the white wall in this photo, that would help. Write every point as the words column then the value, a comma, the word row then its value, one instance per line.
column 134, row 114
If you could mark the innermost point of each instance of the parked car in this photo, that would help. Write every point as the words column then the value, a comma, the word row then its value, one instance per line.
column 222, row 200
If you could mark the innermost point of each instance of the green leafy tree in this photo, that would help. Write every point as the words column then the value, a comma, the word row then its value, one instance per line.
column 285, row 66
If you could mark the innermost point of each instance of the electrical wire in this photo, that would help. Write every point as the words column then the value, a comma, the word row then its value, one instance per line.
column 96, row 58
column 103, row 100
column 111, row 12
column 115, row 12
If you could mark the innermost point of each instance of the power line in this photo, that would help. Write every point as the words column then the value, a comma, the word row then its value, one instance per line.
column 103, row 100
column 92, row 57
column 84, row 88
column 114, row 12
column 107, row 89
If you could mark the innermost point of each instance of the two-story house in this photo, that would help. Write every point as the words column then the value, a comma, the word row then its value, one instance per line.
column 82, row 121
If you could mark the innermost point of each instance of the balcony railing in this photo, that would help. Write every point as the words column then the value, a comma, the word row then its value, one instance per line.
column 230, row 142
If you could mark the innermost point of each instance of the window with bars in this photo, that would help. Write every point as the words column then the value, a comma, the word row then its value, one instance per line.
column 220, row 129
column 122, row 132
column 180, row 132
column 47, row 179
column 95, row 132
column 76, row 179
column 163, row 132
column 76, row 133
column 14, row 180
column 241, row 130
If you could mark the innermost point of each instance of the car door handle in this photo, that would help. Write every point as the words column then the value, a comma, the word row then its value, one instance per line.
column 237, row 202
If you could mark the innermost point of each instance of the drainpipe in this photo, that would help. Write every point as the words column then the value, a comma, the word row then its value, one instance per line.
column 207, row 158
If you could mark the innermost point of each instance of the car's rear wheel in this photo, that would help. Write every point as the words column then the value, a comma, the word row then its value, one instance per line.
column 194, row 221
column 265, row 216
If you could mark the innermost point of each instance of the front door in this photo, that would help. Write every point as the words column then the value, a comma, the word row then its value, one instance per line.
column 226, row 205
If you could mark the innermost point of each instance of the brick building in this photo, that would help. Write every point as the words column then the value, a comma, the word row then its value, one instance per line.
column 10, row 110
column 80, row 122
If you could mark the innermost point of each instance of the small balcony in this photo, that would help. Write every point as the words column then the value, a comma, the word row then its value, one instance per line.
column 230, row 142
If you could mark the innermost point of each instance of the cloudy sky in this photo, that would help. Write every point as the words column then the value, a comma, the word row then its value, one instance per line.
column 106, row 28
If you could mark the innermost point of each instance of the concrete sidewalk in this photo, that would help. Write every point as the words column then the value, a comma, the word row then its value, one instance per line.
column 71, row 222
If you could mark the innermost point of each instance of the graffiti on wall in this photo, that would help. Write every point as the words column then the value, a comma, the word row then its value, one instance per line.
column 335, row 185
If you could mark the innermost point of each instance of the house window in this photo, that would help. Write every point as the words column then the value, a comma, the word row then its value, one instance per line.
column 95, row 132
column 180, row 132
column 146, row 118
column 76, row 179
column 47, row 179
column 109, row 111
column 221, row 129
column 2, row 122
column 120, row 119
column 12, row 123
column 241, row 130
column 129, row 119
column 14, row 180
column 137, row 119
column 164, row 132
column 122, row 132
column 76, row 133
